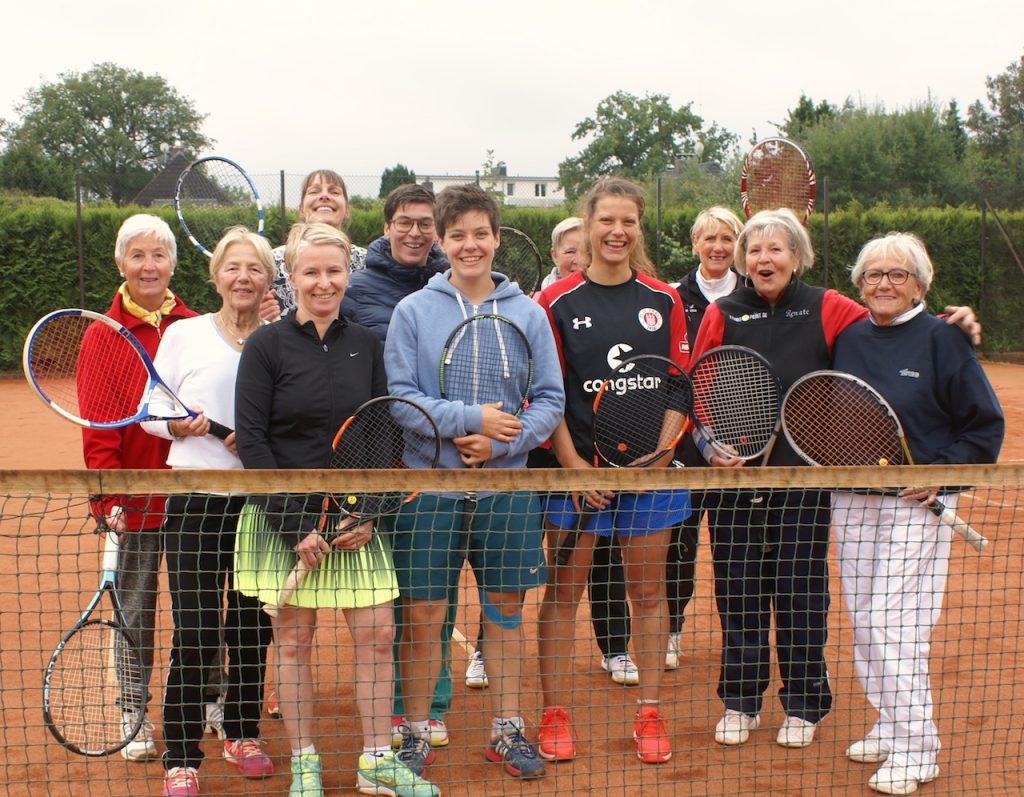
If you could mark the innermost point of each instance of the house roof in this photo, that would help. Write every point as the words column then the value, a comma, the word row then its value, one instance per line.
column 160, row 190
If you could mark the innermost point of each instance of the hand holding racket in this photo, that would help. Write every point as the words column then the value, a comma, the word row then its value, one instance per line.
column 518, row 258
column 375, row 437
column 486, row 360
column 90, row 682
column 835, row 418
column 640, row 413
column 215, row 182
column 93, row 371
column 777, row 174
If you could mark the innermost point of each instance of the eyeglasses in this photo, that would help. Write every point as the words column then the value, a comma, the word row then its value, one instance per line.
column 405, row 224
column 897, row 276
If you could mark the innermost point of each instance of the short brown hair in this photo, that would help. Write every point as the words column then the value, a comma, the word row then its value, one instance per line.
column 458, row 200
column 408, row 194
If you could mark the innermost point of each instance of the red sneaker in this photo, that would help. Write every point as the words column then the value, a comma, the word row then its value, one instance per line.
column 554, row 739
column 652, row 745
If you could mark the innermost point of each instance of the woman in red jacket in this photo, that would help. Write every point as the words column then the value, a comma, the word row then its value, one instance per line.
column 145, row 254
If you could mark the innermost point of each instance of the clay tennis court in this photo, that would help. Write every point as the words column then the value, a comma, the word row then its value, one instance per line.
column 977, row 672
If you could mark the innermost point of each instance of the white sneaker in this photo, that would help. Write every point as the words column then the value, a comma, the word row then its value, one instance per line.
column 672, row 654
column 893, row 779
column 735, row 727
column 621, row 668
column 476, row 674
column 215, row 718
column 142, row 747
column 868, row 750
column 796, row 732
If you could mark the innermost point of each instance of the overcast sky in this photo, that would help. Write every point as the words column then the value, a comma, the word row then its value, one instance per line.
column 360, row 86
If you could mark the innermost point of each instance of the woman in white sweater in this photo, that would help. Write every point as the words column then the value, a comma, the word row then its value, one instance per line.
column 199, row 361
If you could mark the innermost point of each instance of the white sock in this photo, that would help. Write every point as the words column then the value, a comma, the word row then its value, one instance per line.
column 501, row 726
column 309, row 749
column 421, row 729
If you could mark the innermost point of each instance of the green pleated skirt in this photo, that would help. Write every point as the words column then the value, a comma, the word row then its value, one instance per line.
column 342, row 580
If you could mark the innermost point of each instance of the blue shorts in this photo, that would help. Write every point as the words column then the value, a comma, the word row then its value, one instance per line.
column 505, row 544
column 628, row 514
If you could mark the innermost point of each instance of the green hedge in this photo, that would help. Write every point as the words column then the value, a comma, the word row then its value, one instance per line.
column 39, row 272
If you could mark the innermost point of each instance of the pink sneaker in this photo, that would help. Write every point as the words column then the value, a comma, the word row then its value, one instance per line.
column 249, row 757
column 181, row 782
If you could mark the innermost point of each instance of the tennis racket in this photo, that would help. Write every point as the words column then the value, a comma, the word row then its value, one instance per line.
column 519, row 259
column 93, row 371
column 486, row 359
column 777, row 174
column 87, row 689
column 835, row 418
column 215, row 182
column 375, row 437
column 737, row 402
column 641, row 411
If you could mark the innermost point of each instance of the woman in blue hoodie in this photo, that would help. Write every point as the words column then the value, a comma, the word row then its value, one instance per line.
column 505, row 541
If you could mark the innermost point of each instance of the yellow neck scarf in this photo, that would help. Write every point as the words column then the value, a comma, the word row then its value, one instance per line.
column 151, row 317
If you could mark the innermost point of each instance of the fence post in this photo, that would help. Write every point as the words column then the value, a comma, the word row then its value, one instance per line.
column 657, row 226
column 824, row 231
column 79, row 246
column 284, row 218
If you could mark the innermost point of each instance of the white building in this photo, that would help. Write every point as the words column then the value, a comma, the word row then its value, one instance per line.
column 517, row 190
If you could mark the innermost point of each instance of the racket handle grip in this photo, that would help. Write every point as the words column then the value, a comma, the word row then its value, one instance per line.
column 295, row 578
column 568, row 545
column 959, row 525
column 219, row 430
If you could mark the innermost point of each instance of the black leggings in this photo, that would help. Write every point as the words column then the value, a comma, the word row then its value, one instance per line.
column 199, row 543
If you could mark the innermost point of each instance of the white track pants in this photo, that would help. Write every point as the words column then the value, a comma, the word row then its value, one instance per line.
column 893, row 559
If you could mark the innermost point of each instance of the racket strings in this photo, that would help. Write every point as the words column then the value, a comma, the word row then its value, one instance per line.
column 777, row 174
column 488, row 360
column 216, row 183
column 91, row 685
column 88, row 369
column 518, row 259
column 640, row 412
column 736, row 402
column 377, row 437
column 834, row 422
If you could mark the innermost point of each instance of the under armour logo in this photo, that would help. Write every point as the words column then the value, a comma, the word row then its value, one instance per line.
column 581, row 322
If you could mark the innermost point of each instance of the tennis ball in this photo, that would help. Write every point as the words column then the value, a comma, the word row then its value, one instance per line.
column 883, row 461
column 351, row 500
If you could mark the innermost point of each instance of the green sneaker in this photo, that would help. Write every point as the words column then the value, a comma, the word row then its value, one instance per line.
column 306, row 776
column 392, row 778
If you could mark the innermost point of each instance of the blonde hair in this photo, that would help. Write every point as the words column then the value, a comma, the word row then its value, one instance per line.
column 709, row 218
column 316, row 233
column 769, row 221
column 564, row 227
column 243, row 235
column 903, row 247
column 617, row 187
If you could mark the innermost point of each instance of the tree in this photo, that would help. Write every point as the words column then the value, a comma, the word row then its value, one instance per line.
column 391, row 178
column 805, row 115
column 996, row 160
column 637, row 137
column 25, row 168
column 995, row 128
column 107, row 124
column 954, row 127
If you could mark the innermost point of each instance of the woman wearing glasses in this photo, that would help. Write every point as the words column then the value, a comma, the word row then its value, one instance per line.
column 893, row 553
